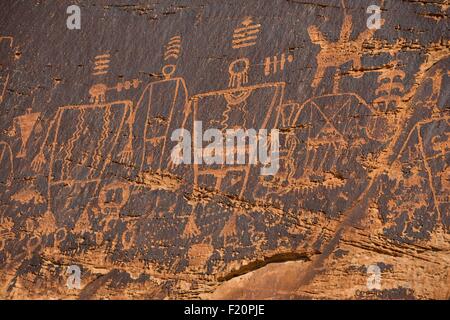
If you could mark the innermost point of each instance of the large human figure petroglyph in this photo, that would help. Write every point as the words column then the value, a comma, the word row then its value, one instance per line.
column 414, row 113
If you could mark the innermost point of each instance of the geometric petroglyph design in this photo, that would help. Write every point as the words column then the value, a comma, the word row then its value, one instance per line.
column 234, row 107
column 7, row 165
column 246, row 34
column 79, row 153
column 349, row 50
column 172, row 52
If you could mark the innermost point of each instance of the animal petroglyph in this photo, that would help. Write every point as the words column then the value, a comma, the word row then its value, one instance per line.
column 363, row 176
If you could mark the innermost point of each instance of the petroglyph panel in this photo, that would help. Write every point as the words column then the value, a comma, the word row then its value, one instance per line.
column 88, row 175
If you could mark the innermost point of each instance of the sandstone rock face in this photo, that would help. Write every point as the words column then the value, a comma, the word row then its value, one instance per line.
column 95, row 205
